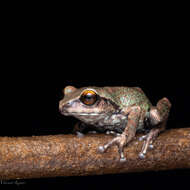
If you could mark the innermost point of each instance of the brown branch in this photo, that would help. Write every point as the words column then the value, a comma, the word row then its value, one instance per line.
column 67, row 155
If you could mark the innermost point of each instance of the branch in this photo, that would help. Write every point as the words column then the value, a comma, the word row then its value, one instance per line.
column 68, row 155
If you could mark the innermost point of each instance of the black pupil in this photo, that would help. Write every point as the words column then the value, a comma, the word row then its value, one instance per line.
column 89, row 99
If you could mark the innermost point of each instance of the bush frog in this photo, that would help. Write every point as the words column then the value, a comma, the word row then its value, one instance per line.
column 124, row 110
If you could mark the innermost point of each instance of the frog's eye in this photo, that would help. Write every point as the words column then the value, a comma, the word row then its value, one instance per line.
column 89, row 97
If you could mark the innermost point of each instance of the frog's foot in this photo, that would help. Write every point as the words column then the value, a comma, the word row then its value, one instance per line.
column 112, row 133
column 148, row 143
column 92, row 132
column 142, row 138
column 79, row 134
column 120, row 141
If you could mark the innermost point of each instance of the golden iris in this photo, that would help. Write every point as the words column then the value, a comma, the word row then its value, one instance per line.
column 89, row 97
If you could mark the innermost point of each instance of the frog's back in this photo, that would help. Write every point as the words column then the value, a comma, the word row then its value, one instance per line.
column 127, row 96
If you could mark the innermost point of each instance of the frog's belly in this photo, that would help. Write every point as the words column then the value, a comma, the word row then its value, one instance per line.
column 103, row 119
column 119, row 128
column 102, row 122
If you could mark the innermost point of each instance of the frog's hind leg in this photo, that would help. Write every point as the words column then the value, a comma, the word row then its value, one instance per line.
column 148, row 143
column 158, row 116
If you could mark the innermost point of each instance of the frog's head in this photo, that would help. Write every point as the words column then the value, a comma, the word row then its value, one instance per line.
column 85, row 102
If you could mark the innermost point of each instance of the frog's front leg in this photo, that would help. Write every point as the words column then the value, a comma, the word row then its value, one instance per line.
column 158, row 116
column 128, row 134
column 79, row 129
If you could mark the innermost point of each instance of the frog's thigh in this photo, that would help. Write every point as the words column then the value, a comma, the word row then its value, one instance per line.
column 160, row 113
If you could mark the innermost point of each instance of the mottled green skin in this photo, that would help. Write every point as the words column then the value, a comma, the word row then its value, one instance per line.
column 122, row 96
column 125, row 96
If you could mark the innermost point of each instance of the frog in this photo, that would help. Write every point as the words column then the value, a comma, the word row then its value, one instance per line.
column 120, row 110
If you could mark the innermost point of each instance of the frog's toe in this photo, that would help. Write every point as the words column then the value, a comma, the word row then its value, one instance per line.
column 79, row 134
column 151, row 146
column 123, row 159
column 101, row 149
column 142, row 156
column 92, row 132
column 112, row 133
column 142, row 138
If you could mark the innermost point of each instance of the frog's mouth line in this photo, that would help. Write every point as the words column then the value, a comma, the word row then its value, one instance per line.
column 86, row 114
column 81, row 114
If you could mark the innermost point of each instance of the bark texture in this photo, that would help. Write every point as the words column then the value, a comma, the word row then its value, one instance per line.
column 68, row 155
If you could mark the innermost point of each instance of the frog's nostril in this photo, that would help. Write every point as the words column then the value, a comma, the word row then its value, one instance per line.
column 64, row 107
column 68, row 104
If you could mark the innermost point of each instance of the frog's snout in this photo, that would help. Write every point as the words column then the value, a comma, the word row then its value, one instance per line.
column 63, row 108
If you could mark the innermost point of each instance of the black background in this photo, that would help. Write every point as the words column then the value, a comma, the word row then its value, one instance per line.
column 151, row 54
